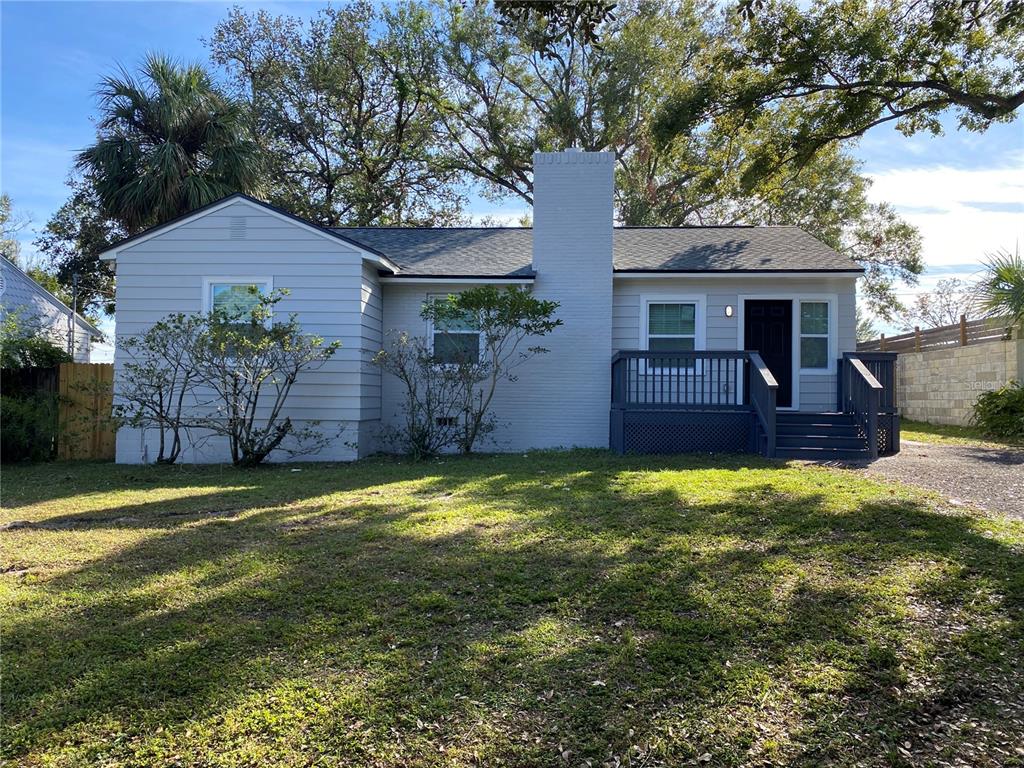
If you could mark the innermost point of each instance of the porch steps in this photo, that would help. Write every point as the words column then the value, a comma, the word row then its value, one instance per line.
column 819, row 437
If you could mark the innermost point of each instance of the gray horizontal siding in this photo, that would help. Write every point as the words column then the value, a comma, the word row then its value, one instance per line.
column 816, row 391
column 372, row 338
column 165, row 274
column 514, row 401
column 170, row 283
column 135, row 446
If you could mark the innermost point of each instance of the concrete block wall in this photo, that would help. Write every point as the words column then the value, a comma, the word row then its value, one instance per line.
column 941, row 385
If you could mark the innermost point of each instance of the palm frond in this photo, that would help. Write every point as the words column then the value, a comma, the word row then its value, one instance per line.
column 168, row 141
column 1001, row 290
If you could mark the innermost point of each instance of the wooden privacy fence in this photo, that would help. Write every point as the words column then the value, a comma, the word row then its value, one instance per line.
column 86, row 399
column 77, row 422
column 957, row 335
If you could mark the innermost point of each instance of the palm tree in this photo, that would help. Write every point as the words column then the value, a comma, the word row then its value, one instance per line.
column 167, row 142
column 1002, row 288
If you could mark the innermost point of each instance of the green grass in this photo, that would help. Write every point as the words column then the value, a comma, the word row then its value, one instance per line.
column 548, row 609
column 947, row 434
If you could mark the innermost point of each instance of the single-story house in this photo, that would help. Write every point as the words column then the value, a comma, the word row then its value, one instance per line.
column 43, row 312
column 682, row 338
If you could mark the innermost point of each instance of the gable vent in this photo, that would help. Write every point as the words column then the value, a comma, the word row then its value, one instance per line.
column 236, row 228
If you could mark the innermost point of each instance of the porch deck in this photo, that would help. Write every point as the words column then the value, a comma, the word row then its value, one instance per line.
column 725, row 401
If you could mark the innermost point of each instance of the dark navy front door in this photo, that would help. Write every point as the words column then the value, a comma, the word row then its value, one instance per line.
column 768, row 329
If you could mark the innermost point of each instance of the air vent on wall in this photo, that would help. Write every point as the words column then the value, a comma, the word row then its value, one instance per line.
column 237, row 228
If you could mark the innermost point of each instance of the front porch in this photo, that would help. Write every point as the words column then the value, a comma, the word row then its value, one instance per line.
column 727, row 401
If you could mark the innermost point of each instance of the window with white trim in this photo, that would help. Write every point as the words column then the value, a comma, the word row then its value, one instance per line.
column 455, row 341
column 235, row 299
column 672, row 326
column 814, row 333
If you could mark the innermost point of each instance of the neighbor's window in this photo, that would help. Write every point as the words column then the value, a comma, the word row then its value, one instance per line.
column 672, row 327
column 814, row 334
column 455, row 341
column 235, row 298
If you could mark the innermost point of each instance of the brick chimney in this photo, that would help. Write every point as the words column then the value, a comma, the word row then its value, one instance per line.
column 572, row 257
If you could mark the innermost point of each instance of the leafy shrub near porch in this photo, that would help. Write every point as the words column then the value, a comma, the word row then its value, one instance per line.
column 426, row 427
column 448, row 392
column 1000, row 413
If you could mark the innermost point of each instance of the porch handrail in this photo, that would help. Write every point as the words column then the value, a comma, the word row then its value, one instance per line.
column 861, row 394
column 698, row 379
column 763, row 389
column 640, row 354
column 882, row 366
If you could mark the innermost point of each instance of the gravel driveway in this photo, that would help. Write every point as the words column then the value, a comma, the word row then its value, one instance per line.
column 991, row 478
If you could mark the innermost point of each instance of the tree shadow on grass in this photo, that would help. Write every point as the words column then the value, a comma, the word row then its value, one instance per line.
column 35, row 484
column 511, row 611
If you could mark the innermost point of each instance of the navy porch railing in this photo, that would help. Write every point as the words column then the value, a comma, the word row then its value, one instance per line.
column 726, row 401
column 867, row 391
column 708, row 401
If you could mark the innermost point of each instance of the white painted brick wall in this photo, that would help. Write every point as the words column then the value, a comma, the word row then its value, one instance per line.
column 572, row 256
column 561, row 398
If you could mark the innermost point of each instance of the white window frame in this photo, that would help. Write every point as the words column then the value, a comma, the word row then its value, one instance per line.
column 267, row 284
column 430, row 328
column 700, row 325
column 796, row 298
column 830, row 361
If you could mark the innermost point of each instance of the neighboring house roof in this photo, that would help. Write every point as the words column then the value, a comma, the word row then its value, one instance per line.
column 507, row 252
column 18, row 291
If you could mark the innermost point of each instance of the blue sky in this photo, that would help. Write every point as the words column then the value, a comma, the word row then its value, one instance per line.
column 965, row 191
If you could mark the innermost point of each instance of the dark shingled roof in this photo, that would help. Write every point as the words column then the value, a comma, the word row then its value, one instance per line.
column 454, row 252
column 507, row 252
column 725, row 249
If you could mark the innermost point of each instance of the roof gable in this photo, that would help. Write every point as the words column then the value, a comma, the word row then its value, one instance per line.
column 367, row 252
column 18, row 289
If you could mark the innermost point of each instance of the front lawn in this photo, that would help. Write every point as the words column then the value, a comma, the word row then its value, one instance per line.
column 550, row 609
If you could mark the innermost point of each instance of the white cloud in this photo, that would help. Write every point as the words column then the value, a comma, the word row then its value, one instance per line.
column 949, row 206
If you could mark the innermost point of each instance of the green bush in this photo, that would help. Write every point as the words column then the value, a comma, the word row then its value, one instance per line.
column 1000, row 413
column 29, row 427
column 23, row 344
